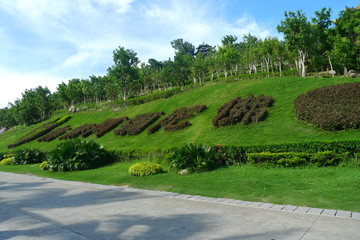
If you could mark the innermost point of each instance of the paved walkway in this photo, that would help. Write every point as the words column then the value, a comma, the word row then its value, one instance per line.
column 40, row 208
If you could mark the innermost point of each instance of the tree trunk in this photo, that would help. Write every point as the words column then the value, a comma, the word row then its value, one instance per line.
column 280, row 70
column 345, row 72
column 331, row 67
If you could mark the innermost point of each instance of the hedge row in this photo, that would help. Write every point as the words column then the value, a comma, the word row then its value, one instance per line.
column 108, row 125
column 40, row 131
column 54, row 134
column 245, row 110
column 332, row 107
column 294, row 159
column 173, row 121
column 84, row 130
column 138, row 124
column 229, row 155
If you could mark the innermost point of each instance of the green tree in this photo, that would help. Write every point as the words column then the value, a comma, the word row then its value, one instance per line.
column 346, row 38
column 183, row 47
column 125, row 70
column 298, row 36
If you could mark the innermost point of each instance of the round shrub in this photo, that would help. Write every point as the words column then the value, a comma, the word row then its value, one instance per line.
column 7, row 161
column 78, row 154
column 44, row 165
column 332, row 107
column 144, row 169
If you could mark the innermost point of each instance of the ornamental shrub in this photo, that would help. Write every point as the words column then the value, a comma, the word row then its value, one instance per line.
column 332, row 107
column 145, row 169
column 194, row 158
column 78, row 154
column 28, row 156
column 7, row 161
column 245, row 110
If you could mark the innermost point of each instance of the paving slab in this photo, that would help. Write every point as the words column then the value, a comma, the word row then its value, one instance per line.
column 40, row 208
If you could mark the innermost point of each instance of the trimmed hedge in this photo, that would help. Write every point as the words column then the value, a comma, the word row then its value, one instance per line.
column 293, row 159
column 54, row 134
column 228, row 155
column 106, row 126
column 145, row 169
column 84, row 130
column 40, row 131
column 173, row 121
column 138, row 124
column 245, row 110
column 332, row 107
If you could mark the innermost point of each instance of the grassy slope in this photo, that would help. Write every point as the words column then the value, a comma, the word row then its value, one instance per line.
column 280, row 126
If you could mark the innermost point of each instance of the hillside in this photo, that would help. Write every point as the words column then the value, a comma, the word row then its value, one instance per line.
column 280, row 126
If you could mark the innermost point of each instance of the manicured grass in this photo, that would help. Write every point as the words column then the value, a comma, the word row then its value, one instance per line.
column 330, row 187
column 281, row 126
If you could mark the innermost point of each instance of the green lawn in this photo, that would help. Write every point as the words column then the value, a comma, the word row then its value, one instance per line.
column 330, row 187
column 281, row 126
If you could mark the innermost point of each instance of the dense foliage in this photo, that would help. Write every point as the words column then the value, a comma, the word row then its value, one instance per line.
column 78, row 154
column 27, row 156
column 245, row 110
column 145, row 169
column 193, row 158
column 332, row 108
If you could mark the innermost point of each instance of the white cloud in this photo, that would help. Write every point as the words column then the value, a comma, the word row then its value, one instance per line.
column 13, row 84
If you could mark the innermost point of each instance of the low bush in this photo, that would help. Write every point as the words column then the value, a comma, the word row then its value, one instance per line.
column 78, row 154
column 193, row 158
column 40, row 131
column 7, row 161
column 145, row 169
column 332, row 107
column 28, row 156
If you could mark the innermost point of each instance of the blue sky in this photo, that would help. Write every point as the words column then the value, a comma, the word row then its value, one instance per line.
column 46, row 42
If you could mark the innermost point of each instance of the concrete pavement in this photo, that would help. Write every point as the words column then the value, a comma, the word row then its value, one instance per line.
column 41, row 208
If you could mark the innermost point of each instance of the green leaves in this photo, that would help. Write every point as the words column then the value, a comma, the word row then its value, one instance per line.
column 77, row 155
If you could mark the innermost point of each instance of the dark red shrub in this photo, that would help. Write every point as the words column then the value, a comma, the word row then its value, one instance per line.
column 332, row 108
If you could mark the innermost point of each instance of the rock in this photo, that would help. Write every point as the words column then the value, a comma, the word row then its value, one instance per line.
column 72, row 109
column 2, row 130
column 183, row 172
column 354, row 73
